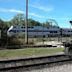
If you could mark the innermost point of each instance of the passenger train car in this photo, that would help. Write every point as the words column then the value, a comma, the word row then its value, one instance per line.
column 38, row 31
column 66, row 31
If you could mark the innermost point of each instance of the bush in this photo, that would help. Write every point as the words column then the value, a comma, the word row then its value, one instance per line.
column 14, row 43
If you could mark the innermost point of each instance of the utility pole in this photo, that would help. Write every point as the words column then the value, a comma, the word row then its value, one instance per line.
column 26, row 23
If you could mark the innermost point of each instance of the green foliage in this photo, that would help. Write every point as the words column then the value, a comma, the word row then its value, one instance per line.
column 46, row 24
column 1, row 24
column 3, row 28
column 32, row 22
column 13, row 43
column 19, row 19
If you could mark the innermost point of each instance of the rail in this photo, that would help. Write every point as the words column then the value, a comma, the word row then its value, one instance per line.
column 30, row 62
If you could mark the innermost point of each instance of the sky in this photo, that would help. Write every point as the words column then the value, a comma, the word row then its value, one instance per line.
column 39, row 10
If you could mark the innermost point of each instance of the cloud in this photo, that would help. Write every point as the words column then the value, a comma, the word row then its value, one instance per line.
column 19, row 11
column 10, row 10
column 43, row 8
column 59, row 18
column 66, row 19
column 36, row 15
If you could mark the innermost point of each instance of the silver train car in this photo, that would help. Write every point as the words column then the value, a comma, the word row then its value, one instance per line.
column 39, row 31
column 35, row 31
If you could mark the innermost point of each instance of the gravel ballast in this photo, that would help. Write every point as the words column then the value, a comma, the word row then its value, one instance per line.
column 60, row 67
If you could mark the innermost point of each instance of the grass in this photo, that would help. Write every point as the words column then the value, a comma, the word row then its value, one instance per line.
column 29, row 52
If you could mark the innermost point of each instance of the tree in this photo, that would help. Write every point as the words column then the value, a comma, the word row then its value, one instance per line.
column 46, row 24
column 32, row 22
column 1, row 24
column 51, row 23
column 3, row 29
column 19, row 19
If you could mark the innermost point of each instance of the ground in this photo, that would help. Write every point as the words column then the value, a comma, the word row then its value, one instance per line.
column 28, row 52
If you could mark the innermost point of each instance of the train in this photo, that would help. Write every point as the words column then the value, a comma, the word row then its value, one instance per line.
column 39, row 31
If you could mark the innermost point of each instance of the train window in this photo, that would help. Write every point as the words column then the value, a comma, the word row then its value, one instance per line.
column 10, row 31
column 51, row 31
column 30, row 27
column 55, row 31
column 17, row 30
column 23, row 30
column 13, row 31
column 22, row 27
column 69, row 31
column 14, row 26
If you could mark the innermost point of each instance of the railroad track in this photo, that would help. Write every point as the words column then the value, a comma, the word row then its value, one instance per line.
column 29, row 46
column 9, row 65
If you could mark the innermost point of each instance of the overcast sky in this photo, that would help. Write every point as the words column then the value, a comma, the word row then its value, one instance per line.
column 40, row 10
